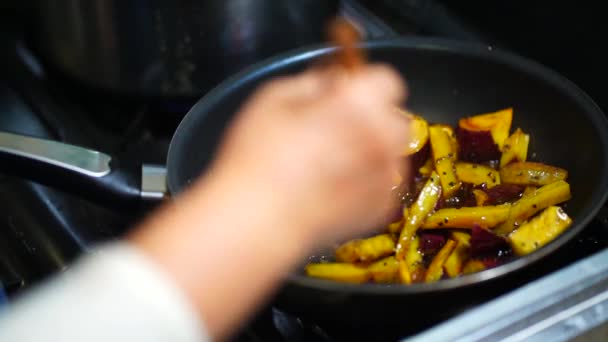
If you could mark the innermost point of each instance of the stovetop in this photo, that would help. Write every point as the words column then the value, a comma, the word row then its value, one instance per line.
column 42, row 230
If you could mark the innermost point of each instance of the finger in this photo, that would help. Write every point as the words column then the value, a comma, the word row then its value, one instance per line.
column 304, row 86
column 397, row 129
column 379, row 82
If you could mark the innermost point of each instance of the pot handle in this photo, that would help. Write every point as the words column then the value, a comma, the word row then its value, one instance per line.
column 87, row 173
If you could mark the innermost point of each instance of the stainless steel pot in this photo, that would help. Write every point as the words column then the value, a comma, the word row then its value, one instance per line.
column 171, row 48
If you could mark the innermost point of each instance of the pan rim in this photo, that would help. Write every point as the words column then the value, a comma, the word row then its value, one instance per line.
column 466, row 49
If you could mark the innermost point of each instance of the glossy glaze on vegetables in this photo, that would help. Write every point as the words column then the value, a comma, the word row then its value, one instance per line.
column 473, row 201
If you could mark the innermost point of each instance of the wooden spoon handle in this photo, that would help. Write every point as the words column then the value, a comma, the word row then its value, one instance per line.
column 344, row 34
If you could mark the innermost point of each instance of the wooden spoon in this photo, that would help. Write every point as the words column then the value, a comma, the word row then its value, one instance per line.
column 346, row 36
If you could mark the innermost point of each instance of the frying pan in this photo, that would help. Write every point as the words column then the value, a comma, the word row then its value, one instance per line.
column 447, row 80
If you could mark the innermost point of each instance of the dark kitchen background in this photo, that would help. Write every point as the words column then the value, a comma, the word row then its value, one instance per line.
column 72, row 90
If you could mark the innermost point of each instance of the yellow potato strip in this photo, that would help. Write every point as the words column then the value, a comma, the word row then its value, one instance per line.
column 468, row 217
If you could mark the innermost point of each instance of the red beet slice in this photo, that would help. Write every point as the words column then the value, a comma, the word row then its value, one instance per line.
column 431, row 243
column 485, row 243
column 476, row 146
column 464, row 197
column 494, row 261
column 504, row 193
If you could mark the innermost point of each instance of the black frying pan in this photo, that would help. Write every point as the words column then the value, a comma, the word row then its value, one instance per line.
column 447, row 80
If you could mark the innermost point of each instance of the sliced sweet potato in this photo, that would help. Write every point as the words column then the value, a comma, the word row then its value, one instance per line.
column 385, row 270
column 449, row 131
column 461, row 237
column 498, row 123
column 527, row 206
column 481, row 198
column 473, row 266
column 417, row 160
column 477, row 174
column 395, row 227
column 435, row 270
column 455, row 262
column 419, row 133
column 430, row 194
column 515, row 148
column 529, row 189
column 539, row 231
column 344, row 272
column 449, row 182
column 426, row 168
column 366, row 250
column 411, row 270
column 468, row 217
column 531, row 173
column 418, row 212
column 441, row 145
column 444, row 157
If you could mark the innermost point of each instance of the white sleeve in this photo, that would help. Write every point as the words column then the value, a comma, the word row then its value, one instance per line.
column 114, row 294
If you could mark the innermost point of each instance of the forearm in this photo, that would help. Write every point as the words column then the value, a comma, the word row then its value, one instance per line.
column 113, row 294
column 227, row 246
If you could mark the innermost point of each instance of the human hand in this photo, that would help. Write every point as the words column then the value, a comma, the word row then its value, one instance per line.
column 326, row 144
column 309, row 159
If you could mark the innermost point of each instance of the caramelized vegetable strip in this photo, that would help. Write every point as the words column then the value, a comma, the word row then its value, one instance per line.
column 435, row 270
column 449, row 181
column 498, row 123
column 468, row 217
column 515, row 148
column 473, row 266
column 395, row 227
column 444, row 157
column 529, row 189
column 344, row 272
column 419, row 133
column 427, row 168
column 530, row 173
column 449, row 131
column 539, row 231
column 532, row 203
column 413, row 262
column 477, row 174
column 481, row 198
column 430, row 194
column 424, row 204
column 369, row 249
column 441, row 146
column 385, row 270
column 461, row 237
column 454, row 264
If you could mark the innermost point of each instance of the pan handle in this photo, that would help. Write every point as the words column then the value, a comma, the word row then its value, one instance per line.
column 78, row 159
column 86, row 173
